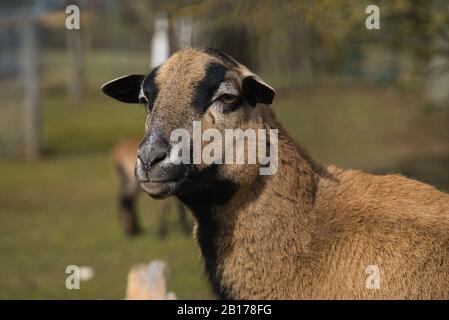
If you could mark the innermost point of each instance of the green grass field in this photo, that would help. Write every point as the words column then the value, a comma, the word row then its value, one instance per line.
column 61, row 209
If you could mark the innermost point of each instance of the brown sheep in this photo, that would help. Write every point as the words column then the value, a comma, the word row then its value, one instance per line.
column 124, row 156
column 304, row 232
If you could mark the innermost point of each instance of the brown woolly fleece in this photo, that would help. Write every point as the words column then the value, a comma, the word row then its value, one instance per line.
column 306, row 232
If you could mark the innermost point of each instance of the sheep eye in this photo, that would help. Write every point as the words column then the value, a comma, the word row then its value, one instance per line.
column 228, row 98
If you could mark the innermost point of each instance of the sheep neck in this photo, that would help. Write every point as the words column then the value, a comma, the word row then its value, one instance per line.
column 243, row 231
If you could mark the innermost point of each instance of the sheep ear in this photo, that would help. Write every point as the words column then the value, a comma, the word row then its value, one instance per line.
column 257, row 91
column 125, row 89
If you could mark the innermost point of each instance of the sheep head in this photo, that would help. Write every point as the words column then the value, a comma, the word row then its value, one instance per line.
column 206, row 88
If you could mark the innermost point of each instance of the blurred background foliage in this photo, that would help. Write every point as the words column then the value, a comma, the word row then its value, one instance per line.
column 376, row 100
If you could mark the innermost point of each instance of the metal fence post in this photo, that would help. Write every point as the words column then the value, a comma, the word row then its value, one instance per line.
column 31, row 106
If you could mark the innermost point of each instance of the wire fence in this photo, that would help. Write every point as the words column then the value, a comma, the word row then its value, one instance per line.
column 19, row 114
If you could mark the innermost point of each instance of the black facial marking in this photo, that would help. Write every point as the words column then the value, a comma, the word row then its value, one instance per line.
column 205, row 89
column 150, row 88
column 223, row 57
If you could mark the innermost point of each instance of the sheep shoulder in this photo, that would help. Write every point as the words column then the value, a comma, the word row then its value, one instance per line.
column 399, row 225
column 383, row 199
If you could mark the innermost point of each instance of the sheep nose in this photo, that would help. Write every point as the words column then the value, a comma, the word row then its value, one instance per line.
column 153, row 149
